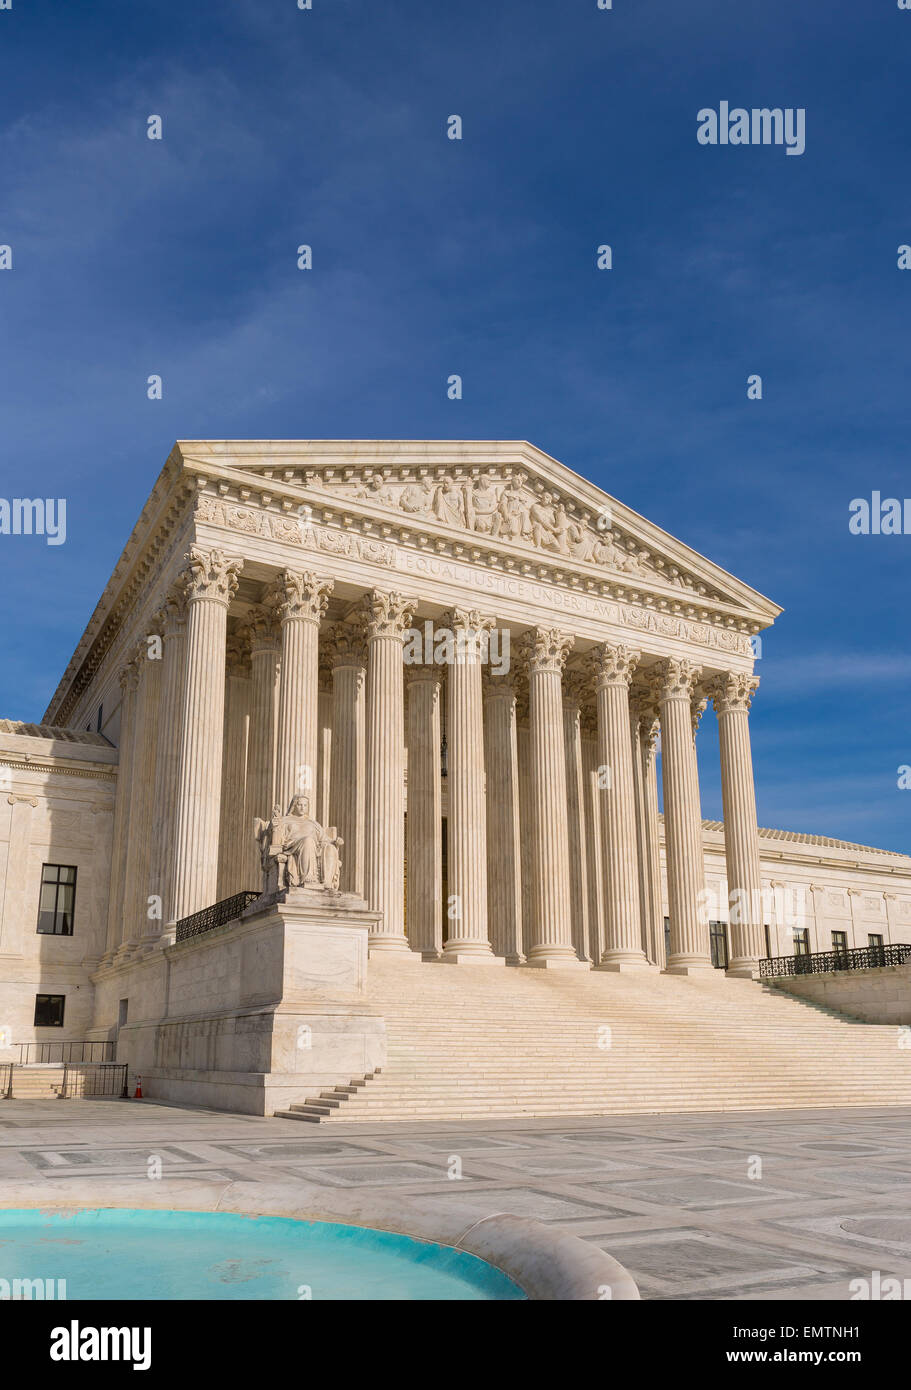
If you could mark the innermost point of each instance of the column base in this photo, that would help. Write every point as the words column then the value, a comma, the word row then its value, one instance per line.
column 743, row 969
column 392, row 946
column 466, row 956
column 621, row 962
column 567, row 962
column 689, row 965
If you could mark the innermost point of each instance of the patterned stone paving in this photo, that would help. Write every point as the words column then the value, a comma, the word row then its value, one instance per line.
column 781, row 1204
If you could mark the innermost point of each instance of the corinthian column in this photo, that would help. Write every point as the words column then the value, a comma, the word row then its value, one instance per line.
column 552, row 943
column 129, row 680
column 613, row 668
column 136, row 920
column 593, row 835
column 301, row 600
column 643, row 738
column 347, row 652
column 575, row 693
column 425, row 813
column 467, row 847
column 675, row 683
column 164, row 799
column 260, row 794
column 732, row 695
column 504, row 847
column 209, row 583
column 233, row 840
column 387, row 616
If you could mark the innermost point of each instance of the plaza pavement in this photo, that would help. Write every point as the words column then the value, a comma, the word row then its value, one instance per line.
column 670, row 1196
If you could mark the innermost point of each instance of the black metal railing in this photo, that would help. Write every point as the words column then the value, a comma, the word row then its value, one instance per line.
column 94, row 1079
column 215, row 916
column 83, row 1050
column 822, row 962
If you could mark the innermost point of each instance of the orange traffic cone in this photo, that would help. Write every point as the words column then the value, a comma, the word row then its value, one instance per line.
column 137, row 1095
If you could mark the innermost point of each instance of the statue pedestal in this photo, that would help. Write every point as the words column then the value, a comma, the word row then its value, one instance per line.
column 265, row 1011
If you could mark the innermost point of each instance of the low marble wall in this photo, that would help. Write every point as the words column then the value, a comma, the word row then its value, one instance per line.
column 255, row 1015
column 879, row 995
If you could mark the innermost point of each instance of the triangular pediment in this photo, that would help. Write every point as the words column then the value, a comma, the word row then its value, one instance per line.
column 483, row 499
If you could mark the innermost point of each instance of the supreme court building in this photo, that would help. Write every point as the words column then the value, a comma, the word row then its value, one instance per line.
column 476, row 667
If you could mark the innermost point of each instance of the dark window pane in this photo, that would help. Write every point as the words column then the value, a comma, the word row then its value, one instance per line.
column 49, row 1010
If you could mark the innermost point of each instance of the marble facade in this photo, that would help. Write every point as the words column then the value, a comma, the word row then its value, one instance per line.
column 256, row 642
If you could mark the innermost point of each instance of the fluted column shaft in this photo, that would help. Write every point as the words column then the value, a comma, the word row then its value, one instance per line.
column 387, row 617
column 260, row 793
column 552, row 942
column 523, row 750
column 142, row 780
column 164, row 798
column 575, row 812
column 467, row 939
column 234, row 836
column 504, row 850
column 652, row 850
column 613, row 668
column 301, row 600
column 209, row 583
column 129, row 679
column 594, row 851
column 347, row 652
column 643, row 734
column 732, row 695
column 425, row 813
column 675, row 683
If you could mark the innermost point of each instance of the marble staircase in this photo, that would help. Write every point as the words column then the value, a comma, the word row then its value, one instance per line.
column 469, row 1042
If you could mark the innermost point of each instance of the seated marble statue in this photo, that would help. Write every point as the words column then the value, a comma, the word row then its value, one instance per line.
column 295, row 850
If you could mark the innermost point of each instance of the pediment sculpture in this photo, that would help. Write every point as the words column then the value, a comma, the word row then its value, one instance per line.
column 296, row 851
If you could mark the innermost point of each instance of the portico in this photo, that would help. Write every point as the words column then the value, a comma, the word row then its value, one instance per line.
column 284, row 583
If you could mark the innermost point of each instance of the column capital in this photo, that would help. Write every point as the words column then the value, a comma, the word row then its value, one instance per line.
column 299, row 594
column 263, row 629
column 577, row 688
column 209, row 574
column 467, row 620
column 643, row 708
column 612, row 664
column 172, row 615
column 237, row 651
column 545, row 649
column 733, row 690
column 498, row 687
column 128, row 677
column 675, row 678
column 698, row 705
column 387, row 614
column 346, row 642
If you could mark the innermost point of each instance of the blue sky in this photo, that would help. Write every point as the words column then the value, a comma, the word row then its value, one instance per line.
column 477, row 257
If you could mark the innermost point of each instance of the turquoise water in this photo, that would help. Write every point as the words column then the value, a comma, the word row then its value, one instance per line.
column 206, row 1254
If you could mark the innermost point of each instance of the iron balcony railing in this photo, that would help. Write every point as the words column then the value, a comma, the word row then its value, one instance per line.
column 822, row 962
column 35, row 1053
column 215, row 916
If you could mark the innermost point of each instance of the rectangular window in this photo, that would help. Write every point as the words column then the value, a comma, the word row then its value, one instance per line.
column 719, row 944
column 801, row 941
column 874, row 939
column 57, row 902
column 840, row 942
column 667, row 938
column 123, row 1009
column 49, row 1010
column 768, row 939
